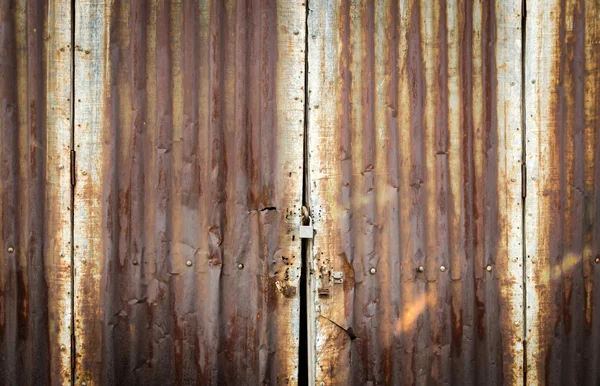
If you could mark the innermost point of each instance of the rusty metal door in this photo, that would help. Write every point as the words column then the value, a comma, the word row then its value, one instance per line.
column 415, row 149
column 155, row 157
column 454, row 184
column 188, row 132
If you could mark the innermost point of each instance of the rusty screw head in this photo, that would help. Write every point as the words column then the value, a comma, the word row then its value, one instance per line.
column 188, row 263
column 420, row 269
column 443, row 269
column 373, row 271
column 135, row 262
column 11, row 249
column 240, row 266
column 84, row 172
column 489, row 268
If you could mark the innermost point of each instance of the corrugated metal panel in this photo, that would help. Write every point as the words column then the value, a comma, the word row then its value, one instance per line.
column 563, row 192
column 35, row 192
column 415, row 146
column 189, row 132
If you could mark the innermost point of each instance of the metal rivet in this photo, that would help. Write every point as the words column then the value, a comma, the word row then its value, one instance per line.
column 61, row 166
column 62, row 348
column 533, row 81
column 135, row 262
column 421, row 269
column 84, row 172
column 597, row 260
column 443, row 269
column 321, row 383
column 188, row 263
column 517, row 324
column 83, row 384
column 62, row 255
column 11, row 249
column 373, row 271
column 489, row 268
column 240, row 266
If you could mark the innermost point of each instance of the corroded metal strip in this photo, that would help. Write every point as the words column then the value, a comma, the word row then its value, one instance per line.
column 507, row 110
column 562, row 115
column 414, row 161
column 190, row 130
column 58, row 224
column 35, row 192
column 92, row 85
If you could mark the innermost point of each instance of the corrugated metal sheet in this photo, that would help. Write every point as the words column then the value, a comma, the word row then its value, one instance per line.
column 563, row 192
column 415, row 148
column 188, row 123
column 35, row 192
column 188, row 132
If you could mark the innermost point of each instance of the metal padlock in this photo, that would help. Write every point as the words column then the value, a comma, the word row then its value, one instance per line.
column 338, row 277
column 306, row 227
column 306, row 231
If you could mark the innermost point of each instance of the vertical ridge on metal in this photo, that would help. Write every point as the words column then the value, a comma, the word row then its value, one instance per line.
column 188, row 132
column 415, row 147
column 35, row 192
column 562, row 79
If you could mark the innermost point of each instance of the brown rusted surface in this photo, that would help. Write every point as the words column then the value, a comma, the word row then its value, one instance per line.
column 563, row 186
column 189, row 132
column 415, row 146
column 35, row 192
